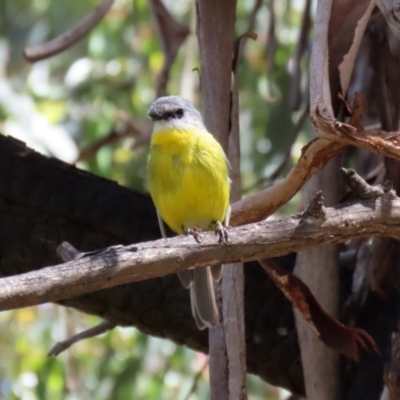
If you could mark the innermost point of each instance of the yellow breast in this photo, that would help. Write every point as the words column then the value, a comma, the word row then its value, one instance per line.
column 188, row 178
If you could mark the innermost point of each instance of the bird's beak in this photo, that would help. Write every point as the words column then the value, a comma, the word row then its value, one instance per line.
column 155, row 116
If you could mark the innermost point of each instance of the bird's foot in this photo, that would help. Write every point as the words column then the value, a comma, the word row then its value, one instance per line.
column 196, row 233
column 221, row 232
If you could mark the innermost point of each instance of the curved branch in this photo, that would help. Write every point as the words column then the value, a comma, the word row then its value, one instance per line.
column 69, row 38
column 314, row 157
column 332, row 137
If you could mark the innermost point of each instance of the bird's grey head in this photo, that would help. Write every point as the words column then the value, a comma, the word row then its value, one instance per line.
column 174, row 112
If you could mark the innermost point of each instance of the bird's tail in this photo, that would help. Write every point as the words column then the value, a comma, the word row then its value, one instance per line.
column 202, row 298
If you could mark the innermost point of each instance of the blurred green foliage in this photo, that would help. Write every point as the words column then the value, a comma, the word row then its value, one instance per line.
column 63, row 105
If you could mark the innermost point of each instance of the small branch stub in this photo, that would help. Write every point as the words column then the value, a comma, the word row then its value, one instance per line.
column 315, row 210
column 67, row 252
column 388, row 189
column 361, row 188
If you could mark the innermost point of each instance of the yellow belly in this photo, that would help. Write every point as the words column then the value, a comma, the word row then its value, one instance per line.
column 188, row 179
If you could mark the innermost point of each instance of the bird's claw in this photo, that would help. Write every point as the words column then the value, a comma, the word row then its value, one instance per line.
column 196, row 233
column 221, row 232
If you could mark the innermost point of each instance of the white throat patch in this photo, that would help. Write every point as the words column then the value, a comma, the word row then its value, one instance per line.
column 179, row 124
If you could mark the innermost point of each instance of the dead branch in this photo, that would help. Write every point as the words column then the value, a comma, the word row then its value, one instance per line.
column 102, row 327
column 313, row 158
column 319, row 362
column 125, row 126
column 333, row 136
column 232, row 283
column 360, row 187
column 117, row 265
column 69, row 38
column 253, row 15
column 332, row 64
column 317, row 153
column 172, row 34
column 215, row 22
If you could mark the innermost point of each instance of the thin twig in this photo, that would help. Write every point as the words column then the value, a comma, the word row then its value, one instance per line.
column 271, row 41
column 69, row 38
column 172, row 34
column 59, row 347
column 253, row 15
column 114, row 135
column 129, row 128
column 239, row 42
column 196, row 379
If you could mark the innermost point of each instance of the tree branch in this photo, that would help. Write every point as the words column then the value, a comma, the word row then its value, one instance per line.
column 117, row 265
column 333, row 136
column 319, row 361
column 172, row 35
column 102, row 327
column 69, row 38
column 215, row 30
column 125, row 126
column 313, row 158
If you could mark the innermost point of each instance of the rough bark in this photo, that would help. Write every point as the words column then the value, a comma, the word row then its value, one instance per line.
column 215, row 33
column 318, row 268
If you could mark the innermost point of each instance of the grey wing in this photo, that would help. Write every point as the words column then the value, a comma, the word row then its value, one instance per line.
column 185, row 276
column 227, row 216
column 216, row 272
column 161, row 225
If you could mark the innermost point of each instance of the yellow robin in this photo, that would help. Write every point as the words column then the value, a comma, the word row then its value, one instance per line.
column 188, row 178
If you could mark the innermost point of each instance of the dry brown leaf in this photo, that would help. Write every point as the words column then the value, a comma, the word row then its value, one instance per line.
column 344, row 339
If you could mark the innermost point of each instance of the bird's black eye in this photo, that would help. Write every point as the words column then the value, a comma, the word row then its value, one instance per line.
column 179, row 113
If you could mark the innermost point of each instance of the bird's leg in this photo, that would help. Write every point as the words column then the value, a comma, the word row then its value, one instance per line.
column 195, row 232
column 221, row 232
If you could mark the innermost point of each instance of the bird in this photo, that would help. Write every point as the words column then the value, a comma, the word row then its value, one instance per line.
column 188, row 180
